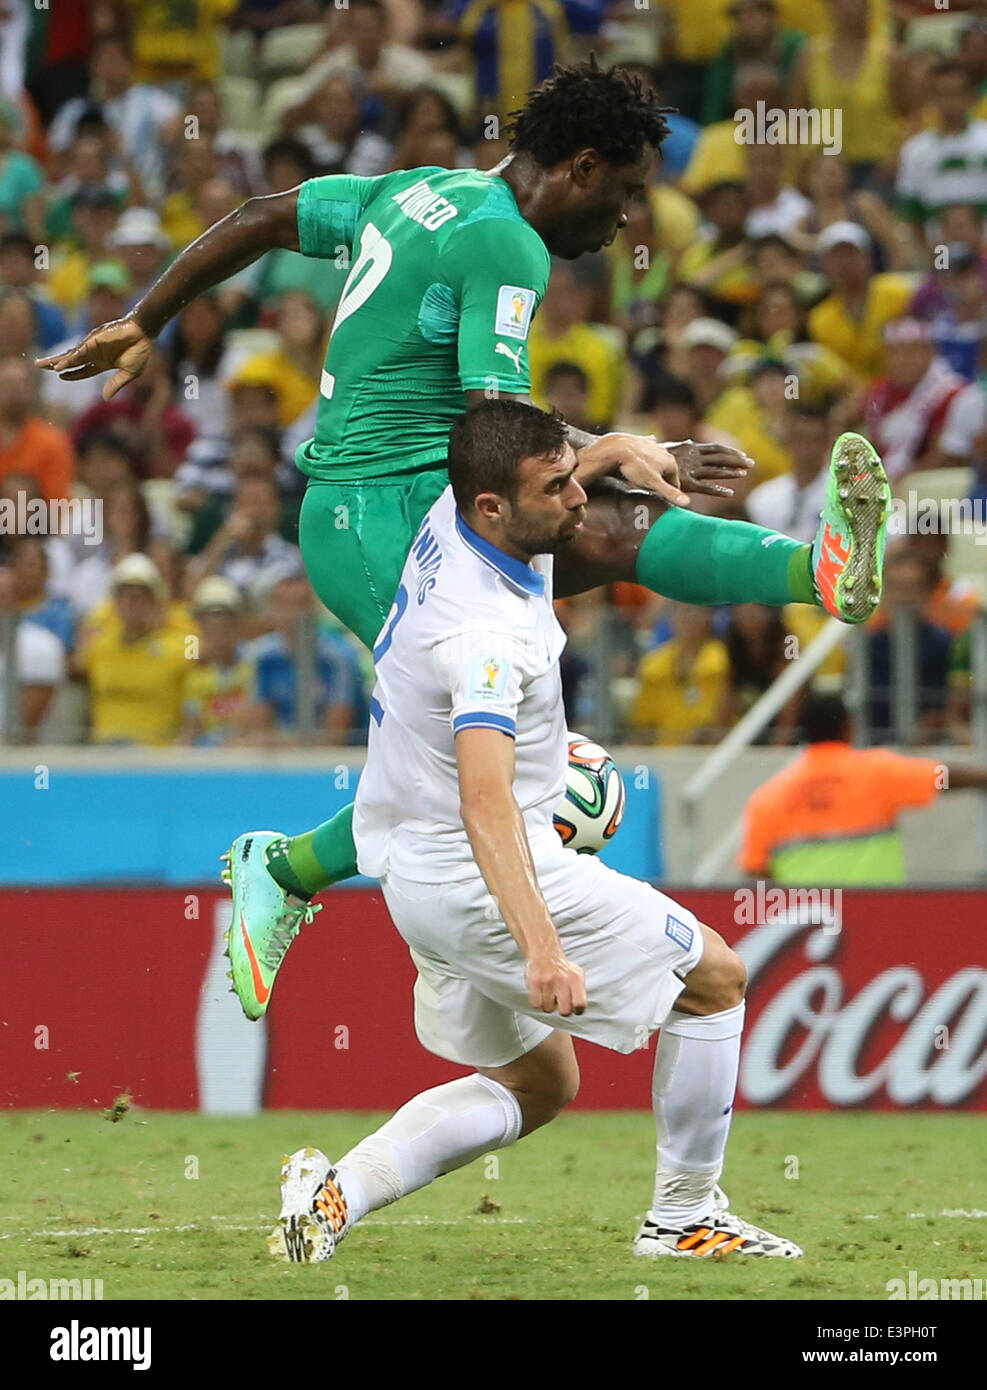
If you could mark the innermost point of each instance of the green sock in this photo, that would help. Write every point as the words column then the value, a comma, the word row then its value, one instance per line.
column 709, row 560
column 305, row 864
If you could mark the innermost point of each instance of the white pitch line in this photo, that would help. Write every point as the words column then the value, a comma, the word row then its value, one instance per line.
column 947, row 1213
column 952, row 1214
column 265, row 1226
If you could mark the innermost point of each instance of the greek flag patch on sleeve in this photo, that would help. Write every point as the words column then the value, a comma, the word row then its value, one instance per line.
column 680, row 932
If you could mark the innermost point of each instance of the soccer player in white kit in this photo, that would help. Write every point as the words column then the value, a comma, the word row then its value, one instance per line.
column 520, row 944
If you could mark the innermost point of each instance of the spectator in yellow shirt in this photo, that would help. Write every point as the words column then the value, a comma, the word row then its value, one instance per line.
column 718, row 155
column 755, row 413
column 195, row 164
column 718, row 261
column 94, row 216
column 851, row 319
column 692, row 35
column 858, row 70
column 699, row 355
column 684, row 682
column 217, row 690
column 274, row 376
column 560, row 333
column 136, row 667
column 172, row 41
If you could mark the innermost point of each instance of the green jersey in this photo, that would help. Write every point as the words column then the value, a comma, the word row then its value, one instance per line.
column 445, row 277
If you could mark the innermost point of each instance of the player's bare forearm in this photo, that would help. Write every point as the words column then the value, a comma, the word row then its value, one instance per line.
column 670, row 471
column 125, row 345
column 498, row 837
column 258, row 226
column 499, row 841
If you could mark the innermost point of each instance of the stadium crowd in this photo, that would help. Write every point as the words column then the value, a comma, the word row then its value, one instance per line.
column 769, row 295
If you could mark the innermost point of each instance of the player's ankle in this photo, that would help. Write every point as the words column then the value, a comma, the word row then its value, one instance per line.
column 279, row 867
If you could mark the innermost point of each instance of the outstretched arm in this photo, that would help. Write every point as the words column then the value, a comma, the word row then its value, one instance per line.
column 669, row 470
column 961, row 779
column 260, row 225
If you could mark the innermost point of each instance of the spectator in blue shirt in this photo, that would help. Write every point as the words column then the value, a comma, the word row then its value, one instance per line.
column 19, row 272
column 340, row 706
column 907, row 586
column 958, row 331
column 32, row 598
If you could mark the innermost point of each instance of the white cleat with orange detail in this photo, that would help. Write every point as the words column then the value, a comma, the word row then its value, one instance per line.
column 314, row 1217
column 722, row 1233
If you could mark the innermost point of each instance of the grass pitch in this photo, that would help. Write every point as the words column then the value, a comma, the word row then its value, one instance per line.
column 176, row 1206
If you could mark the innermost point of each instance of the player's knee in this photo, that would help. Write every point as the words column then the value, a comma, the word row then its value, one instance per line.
column 568, row 1085
column 559, row 1087
column 734, row 985
column 719, row 982
column 554, row 1089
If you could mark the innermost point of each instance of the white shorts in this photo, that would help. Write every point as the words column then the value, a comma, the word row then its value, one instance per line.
column 471, row 1002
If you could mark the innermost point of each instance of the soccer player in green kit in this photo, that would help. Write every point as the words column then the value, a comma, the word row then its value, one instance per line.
column 447, row 269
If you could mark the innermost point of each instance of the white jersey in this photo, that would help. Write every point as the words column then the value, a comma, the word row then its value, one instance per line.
column 472, row 641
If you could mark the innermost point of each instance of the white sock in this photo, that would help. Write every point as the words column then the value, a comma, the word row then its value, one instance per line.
column 695, row 1078
column 436, row 1132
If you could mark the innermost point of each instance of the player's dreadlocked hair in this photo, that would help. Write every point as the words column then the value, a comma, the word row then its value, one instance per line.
column 588, row 107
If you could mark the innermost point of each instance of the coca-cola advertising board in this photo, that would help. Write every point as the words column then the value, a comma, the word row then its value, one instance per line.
column 125, row 990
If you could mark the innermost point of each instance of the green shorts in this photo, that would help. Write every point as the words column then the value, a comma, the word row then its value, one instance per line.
column 355, row 538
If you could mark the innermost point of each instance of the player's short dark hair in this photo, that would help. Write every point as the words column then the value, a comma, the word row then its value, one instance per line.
column 487, row 444
column 584, row 106
column 824, row 717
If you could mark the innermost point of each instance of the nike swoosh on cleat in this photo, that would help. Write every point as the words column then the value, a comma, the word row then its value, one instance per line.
column 260, row 989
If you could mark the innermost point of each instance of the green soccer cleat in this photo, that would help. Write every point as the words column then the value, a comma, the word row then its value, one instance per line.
column 848, row 552
column 265, row 922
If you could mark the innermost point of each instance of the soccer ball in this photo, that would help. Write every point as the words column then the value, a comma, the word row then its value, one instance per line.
column 590, row 813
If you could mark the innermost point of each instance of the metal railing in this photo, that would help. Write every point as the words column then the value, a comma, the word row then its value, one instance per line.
column 905, row 703
column 10, row 714
column 832, row 635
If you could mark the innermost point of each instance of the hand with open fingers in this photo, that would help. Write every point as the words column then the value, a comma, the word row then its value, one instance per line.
column 703, row 466
column 647, row 464
column 122, row 344
column 555, row 985
column 639, row 459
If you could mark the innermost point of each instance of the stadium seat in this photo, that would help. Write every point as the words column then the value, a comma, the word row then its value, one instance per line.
column 243, row 105
column 939, row 484
column 939, row 32
column 159, row 494
column 239, row 57
column 458, row 87
column 966, row 559
column 282, row 94
column 287, row 50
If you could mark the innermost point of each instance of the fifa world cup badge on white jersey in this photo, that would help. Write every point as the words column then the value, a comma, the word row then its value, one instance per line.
column 488, row 677
column 514, row 309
